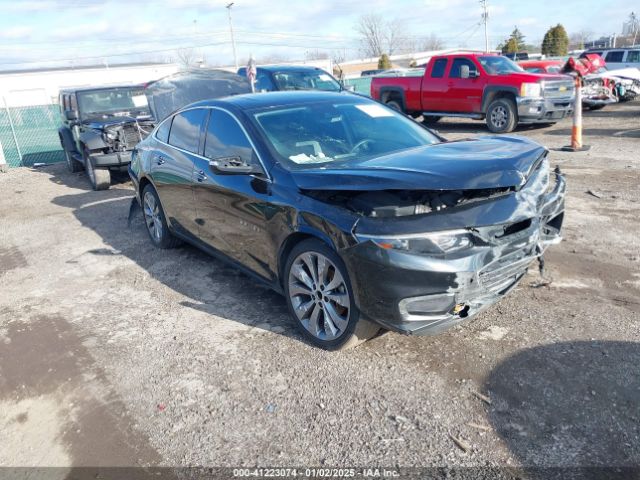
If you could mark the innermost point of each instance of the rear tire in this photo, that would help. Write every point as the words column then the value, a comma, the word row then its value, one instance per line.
column 73, row 165
column 428, row 120
column 156, row 221
column 502, row 115
column 100, row 178
column 320, row 298
column 395, row 105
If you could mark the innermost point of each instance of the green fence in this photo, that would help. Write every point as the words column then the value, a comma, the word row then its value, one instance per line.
column 29, row 135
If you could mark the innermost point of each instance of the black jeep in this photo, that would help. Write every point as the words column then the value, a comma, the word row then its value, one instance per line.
column 101, row 126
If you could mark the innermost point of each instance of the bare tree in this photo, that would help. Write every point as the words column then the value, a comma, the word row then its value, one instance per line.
column 186, row 57
column 316, row 55
column 578, row 39
column 379, row 36
column 432, row 42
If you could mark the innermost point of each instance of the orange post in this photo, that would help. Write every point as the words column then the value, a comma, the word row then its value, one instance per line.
column 576, row 131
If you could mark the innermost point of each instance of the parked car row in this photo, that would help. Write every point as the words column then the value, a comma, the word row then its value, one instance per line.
column 361, row 217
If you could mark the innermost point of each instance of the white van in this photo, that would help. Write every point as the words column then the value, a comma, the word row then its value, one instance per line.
column 615, row 58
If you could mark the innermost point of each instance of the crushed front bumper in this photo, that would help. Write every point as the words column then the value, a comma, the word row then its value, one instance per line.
column 424, row 295
column 542, row 110
column 114, row 159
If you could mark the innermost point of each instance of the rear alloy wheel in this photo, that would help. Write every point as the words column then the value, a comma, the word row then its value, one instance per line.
column 320, row 298
column 155, row 220
column 502, row 116
column 100, row 178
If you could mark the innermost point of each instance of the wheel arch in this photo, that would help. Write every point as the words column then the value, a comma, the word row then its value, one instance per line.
column 66, row 139
column 92, row 141
column 294, row 239
column 393, row 93
column 493, row 92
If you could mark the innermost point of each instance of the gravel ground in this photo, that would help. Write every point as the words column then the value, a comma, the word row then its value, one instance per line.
column 115, row 353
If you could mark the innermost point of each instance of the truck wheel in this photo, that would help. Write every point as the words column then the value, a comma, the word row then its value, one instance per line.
column 100, row 178
column 320, row 298
column 502, row 116
column 155, row 220
column 395, row 105
column 73, row 165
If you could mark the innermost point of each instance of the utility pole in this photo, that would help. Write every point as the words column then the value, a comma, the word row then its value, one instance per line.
column 233, row 40
column 485, row 20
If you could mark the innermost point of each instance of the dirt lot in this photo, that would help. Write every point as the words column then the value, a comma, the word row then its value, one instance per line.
column 115, row 353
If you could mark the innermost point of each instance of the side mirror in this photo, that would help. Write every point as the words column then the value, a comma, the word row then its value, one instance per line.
column 474, row 74
column 71, row 115
column 233, row 166
column 464, row 71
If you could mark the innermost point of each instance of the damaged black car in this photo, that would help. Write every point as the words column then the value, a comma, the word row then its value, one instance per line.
column 360, row 217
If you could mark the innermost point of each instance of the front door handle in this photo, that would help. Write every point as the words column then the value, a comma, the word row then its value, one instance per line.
column 160, row 160
column 201, row 176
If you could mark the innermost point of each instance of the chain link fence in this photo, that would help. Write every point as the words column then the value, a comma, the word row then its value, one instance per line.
column 29, row 135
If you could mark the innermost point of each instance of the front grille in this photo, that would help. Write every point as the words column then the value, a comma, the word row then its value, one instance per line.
column 561, row 89
column 130, row 136
column 503, row 273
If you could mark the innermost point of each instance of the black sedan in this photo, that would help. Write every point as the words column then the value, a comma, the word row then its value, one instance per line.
column 361, row 217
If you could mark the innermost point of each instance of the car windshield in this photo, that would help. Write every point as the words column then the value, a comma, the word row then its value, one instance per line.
column 497, row 65
column 306, row 80
column 113, row 102
column 320, row 134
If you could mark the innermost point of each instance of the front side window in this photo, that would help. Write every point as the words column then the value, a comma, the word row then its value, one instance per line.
column 498, row 65
column 185, row 129
column 458, row 63
column 439, row 67
column 226, row 139
column 327, row 133
column 615, row 56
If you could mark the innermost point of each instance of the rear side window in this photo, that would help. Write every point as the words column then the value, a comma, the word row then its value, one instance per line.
column 615, row 56
column 225, row 138
column 439, row 67
column 73, row 103
column 162, row 133
column 185, row 129
column 459, row 62
column 633, row 56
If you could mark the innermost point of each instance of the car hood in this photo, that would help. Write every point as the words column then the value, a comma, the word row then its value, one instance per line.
column 171, row 93
column 486, row 162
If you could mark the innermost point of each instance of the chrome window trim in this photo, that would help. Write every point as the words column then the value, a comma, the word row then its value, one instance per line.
column 212, row 107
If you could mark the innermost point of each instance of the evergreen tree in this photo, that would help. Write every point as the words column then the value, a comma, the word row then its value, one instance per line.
column 515, row 42
column 384, row 63
column 555, row 42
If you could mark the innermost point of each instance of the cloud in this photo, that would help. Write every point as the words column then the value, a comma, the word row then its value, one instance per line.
column 16, row 33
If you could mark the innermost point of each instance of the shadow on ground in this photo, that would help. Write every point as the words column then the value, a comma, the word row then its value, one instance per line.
column 210, row 285
column 572, row 403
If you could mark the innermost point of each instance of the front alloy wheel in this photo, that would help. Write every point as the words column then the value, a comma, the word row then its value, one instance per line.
column 319, row 296
column 321, row 300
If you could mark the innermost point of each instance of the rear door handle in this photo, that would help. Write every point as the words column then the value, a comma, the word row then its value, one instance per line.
column 201, row 177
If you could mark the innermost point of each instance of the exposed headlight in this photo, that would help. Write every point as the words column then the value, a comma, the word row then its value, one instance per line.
column 111, row 134
column 531, row 90
column 425, row 243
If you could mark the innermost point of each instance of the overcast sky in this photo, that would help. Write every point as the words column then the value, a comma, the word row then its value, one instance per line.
column 98, row 31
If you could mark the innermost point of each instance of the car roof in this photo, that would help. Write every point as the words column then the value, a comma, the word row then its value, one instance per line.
column 102, row 87
column 252, row 101
column 289, row 68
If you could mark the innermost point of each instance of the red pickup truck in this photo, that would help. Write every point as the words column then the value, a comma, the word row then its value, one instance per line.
column 479, row 86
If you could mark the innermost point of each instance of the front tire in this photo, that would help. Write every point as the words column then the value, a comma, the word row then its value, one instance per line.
column 502, row 115
column 321, row 300
column 156, row 221
column 100, row 178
